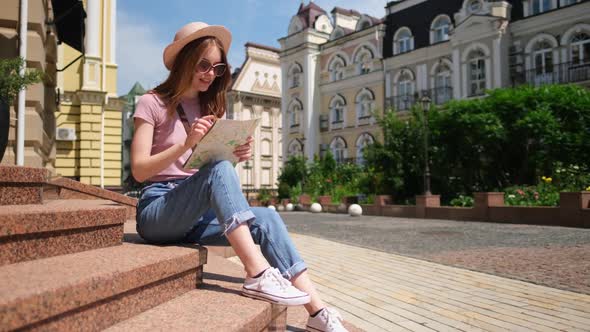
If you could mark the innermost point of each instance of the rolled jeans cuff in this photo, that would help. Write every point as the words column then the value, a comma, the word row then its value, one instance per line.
column 237, row 219
column 294, row 270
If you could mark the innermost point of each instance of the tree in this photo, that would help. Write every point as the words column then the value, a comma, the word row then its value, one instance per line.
column 11, row 82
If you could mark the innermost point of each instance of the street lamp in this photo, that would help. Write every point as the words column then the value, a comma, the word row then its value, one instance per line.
column 426, row 101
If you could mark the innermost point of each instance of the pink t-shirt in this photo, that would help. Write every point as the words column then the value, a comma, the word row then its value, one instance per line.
column 168, row 130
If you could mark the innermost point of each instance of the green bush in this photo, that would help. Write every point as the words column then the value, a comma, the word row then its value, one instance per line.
column 462, row 201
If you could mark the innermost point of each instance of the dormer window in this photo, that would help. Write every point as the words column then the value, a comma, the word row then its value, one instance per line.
column 403, row 41
column 474, row 6
column 440, row 29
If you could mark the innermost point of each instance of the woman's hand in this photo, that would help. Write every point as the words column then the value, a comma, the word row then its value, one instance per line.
column 198, row 130
column 244, row 152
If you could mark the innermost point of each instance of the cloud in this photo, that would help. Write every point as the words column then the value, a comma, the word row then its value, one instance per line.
column 374, row 8
column 139, row 53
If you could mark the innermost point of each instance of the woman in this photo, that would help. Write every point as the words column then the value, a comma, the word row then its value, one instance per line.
column 182, row 205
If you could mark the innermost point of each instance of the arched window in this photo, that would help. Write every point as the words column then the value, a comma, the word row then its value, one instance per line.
column 336, row 68
column 337, row 105
column 363, row 60
column 403, row 41
column 295, row 148
column 266, row 119
column 405, row 91
column 442, row 84
column 543, row 58
column 364, row 140
column 365, row 102
column 477, row 73
column 580, row 48
column 338, row 148
column 440, row 29
column 294, row 113
column 295, row 75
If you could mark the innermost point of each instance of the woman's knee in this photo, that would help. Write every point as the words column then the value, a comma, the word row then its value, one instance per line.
column 269, row 220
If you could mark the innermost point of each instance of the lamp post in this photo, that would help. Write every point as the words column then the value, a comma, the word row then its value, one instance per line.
column 426, row 101
column 247, row 168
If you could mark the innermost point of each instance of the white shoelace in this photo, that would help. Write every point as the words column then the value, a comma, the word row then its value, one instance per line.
column 333, row 317
column 277, row 278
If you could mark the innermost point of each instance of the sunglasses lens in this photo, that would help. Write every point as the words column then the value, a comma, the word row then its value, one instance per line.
column 219, row 69
column 203, row 66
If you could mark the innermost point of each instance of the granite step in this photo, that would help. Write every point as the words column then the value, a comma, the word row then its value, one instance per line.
column 64, row 188
column 92, row 290
column 58, row 227
column 22, row 185
column 216, row 306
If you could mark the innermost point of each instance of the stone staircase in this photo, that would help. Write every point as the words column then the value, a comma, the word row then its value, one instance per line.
column 68, row 261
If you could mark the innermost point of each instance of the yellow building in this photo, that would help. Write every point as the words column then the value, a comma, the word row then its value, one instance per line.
column 88, row 119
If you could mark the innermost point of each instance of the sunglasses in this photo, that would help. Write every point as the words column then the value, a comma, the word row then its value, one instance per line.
column 204, row 66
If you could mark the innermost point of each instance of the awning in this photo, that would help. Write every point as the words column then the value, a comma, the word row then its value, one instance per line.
column 69, row 17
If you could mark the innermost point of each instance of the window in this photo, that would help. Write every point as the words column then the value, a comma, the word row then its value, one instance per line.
column 338, row 147
column 266, row 148
column 365, row 25
column 440, row 29
column 365, row 101
column 543, row 58
column 540, row 6
column 405, row 91
column 363, row 60
column 294, row 113
column 266, row 122
column 442, row 84
column 580, row 49
column 474, row 6
column 477, row 73
column 336, row 68
column 403, row 41
column 295, row 148
column 568, row 2
column 295, row 75
column 337, row 111
column 362, row 142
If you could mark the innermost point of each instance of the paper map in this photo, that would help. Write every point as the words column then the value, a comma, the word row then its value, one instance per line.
column 221, row 141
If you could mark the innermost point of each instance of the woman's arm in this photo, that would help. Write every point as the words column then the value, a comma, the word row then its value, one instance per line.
column 143, row 164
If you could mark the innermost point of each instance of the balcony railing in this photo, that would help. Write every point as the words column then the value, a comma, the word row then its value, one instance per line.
column 438, row 96
column 562, row 73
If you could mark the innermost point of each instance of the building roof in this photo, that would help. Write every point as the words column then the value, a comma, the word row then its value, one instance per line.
column 136, row 90
column 263, row 47
column 348, row 12
column 309, row 13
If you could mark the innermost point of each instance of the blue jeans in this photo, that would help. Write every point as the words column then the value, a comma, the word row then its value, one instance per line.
column 204, row 207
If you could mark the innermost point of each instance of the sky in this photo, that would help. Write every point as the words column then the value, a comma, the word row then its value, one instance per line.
column 145, row 27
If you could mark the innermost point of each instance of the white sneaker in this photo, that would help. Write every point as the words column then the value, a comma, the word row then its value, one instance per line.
column 272, row 287
column 327, row 320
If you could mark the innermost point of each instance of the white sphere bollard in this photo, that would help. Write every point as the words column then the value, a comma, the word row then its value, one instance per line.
column 315, row 208
column 289, row 207
column 355, row 210
column 272, row 207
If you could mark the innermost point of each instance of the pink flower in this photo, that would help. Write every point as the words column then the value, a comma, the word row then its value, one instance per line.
column 520, row 192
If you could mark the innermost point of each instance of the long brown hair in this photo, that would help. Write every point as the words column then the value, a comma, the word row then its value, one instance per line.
column 181, row 75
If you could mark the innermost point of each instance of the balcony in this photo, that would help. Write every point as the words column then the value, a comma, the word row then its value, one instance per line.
column 439, row 96
column 562, row 73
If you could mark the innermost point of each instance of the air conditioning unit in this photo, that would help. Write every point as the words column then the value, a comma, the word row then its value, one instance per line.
column 65, row 134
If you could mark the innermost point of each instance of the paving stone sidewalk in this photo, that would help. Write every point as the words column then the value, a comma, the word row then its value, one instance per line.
column 557, row 257
column 379, row 291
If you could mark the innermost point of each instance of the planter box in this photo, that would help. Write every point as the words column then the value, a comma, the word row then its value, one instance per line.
column 325, row 200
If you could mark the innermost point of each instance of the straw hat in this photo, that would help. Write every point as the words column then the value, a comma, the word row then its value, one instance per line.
column 193, row 31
